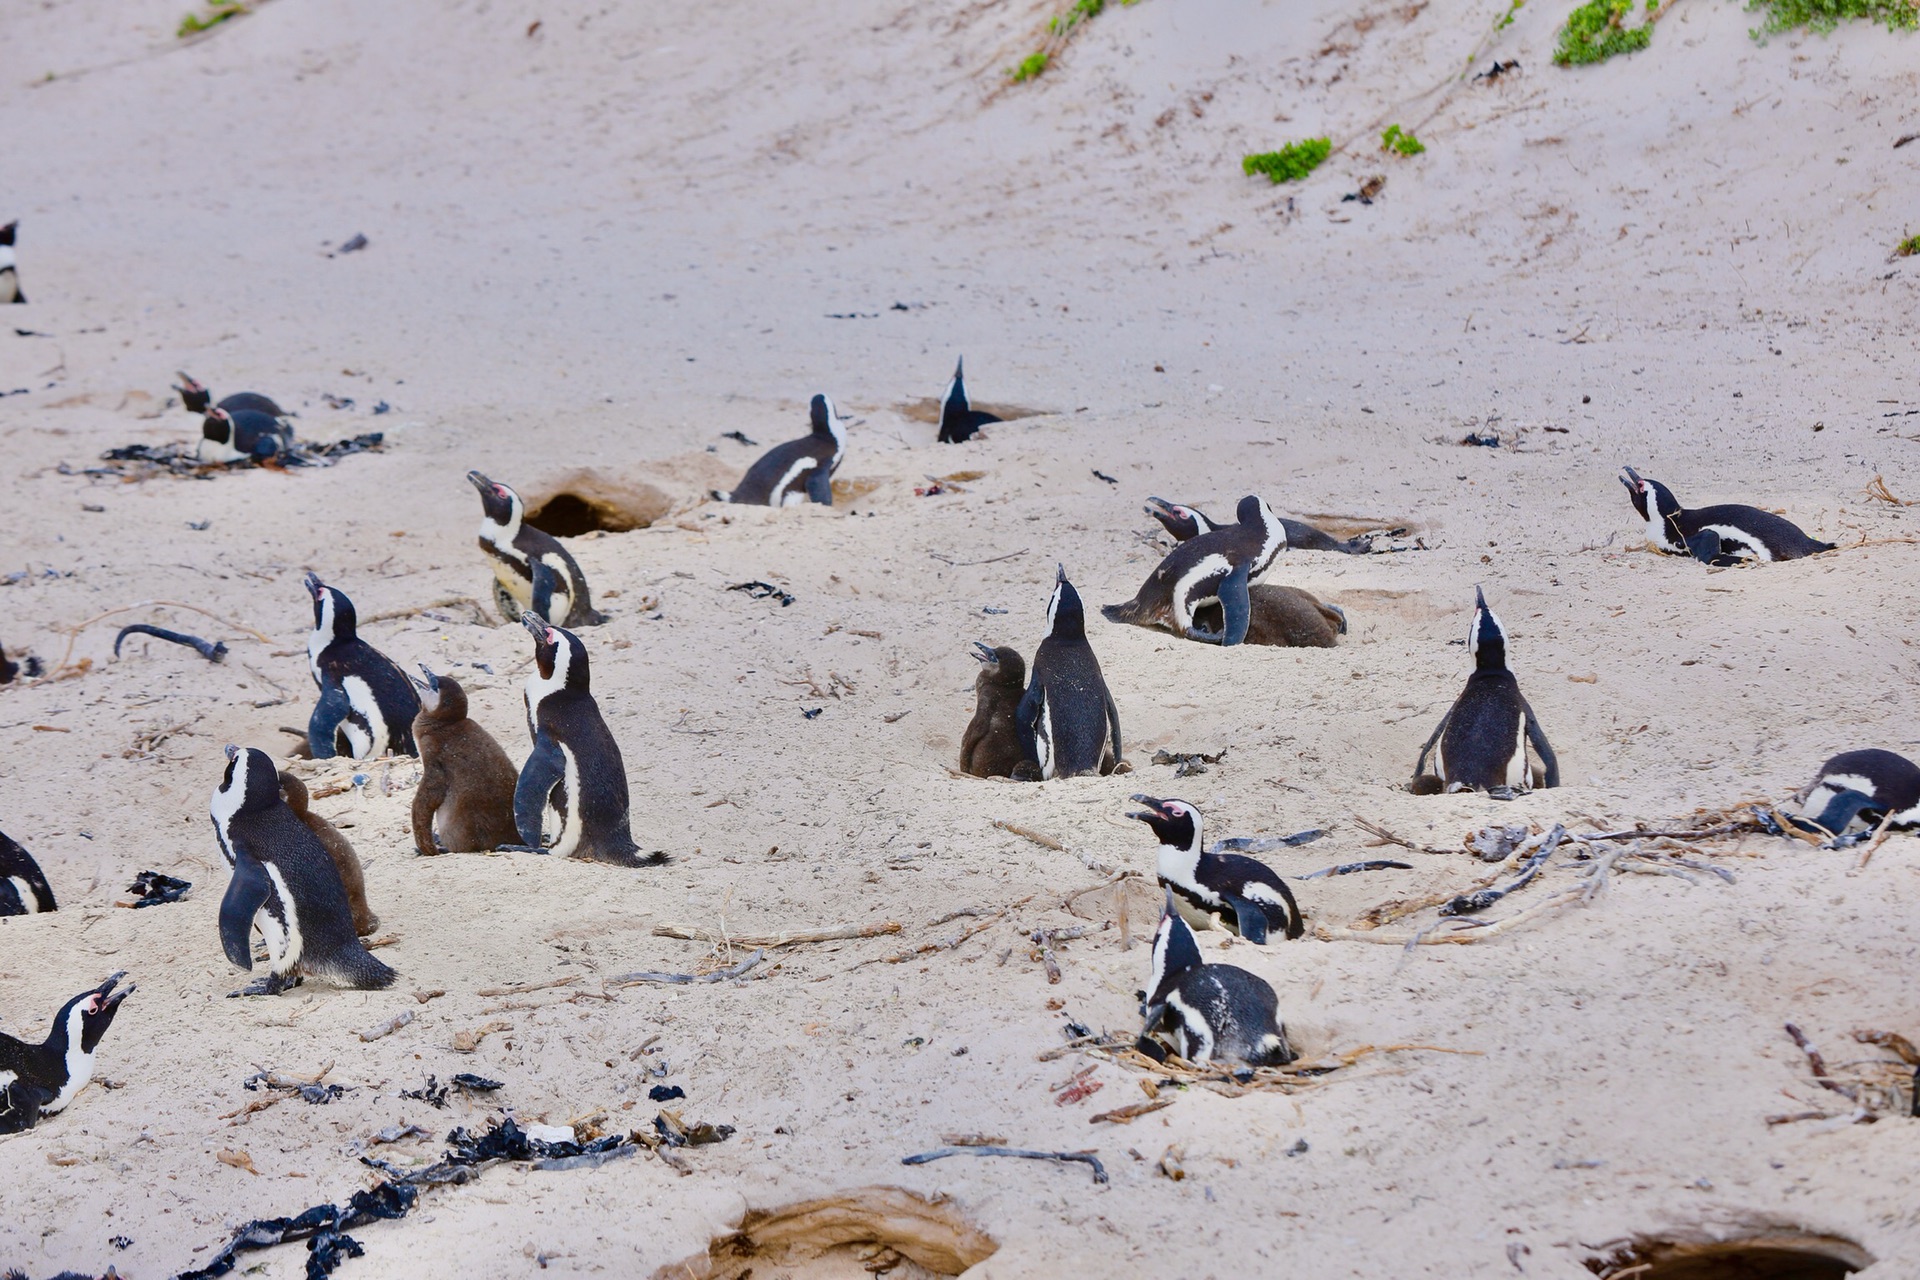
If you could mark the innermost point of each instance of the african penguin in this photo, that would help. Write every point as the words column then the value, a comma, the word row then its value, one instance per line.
column 799, row 470
column 353, row 879
column 39, row 1080
column 24, row 890
column 1246, row 896
column 959, row 420
column 1485, row 736
column 236, row 435
column 1865, row 785
column 285, row 882
column 1721, row 535
column 9, row 274
column 1068, row 723
column 575, row 766
column 8, row 668
column 198, row 399
column 367, row 704
column 1207, row 1012
column 990, row 748
column 1217, row 566
column 530, row 566
column 466, row 781
column 1283, row 616
column 1188, row 522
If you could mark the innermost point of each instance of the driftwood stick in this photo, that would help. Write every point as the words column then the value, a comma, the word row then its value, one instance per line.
column 1045, row 842
column 389, row 615
column 521, row 988
column 1080, row 1157
column 1818, row 1064
column 684, row 979
column 1470, row 933
column 1383, row 836
column 836, row 933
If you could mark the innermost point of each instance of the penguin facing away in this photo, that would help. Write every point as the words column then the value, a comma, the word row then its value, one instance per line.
column 38, row 1080
column 1242, row 894
column 575, row 766
column 798, row 471
column 1484, row 738
column 9, row 273
column 1215, row 567
column 1207, row 1012
column 990, row 748
column 367, row 704
column 352, row 878
column 1068, row 723
column 959, row 420
column 24, row 890
column 1718, row 535
column 1185, row 522
column 1869, row 786
column 467, row 782
column 284, row 882
column 530, row 566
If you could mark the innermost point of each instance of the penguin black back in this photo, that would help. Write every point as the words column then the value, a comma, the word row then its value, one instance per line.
column 1870, row 785
column 1718, row 535
column 959, row 421
column 799, row 470
column 466, row 781
column 1215, row 567
column 1484, row 737
column 530, row 565
column 1184, row 522
column 990, row 748
column 24, row 890
column 39, row 1080
column 1068, row 723
column 367, row 704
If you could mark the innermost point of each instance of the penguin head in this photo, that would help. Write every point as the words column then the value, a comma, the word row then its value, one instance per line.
column 1181, row 522
column 502, row 505
column 1254, row 513
column 333, row 614
column 558, row 653
column 827, row 423
column 6, row 237
column 217, row 426
column 1066, row 616
column 1001, row 666
column 1175, row 822
column 1486, row 638
column 193, row 395
column 955, row 401
column 1653, row 500
column 1174, row 952
column 84, row 1019
column 440, row 696
column 250, row 785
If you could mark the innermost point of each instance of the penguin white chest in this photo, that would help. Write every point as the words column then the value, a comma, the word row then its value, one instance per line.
column 1519, row 772
column 27, row 897
column 1188, row 592
column 1195, row 917
column 783, row 494
column 1043, row 737
column 362, row 739
column 572, row 825
column 281, row 930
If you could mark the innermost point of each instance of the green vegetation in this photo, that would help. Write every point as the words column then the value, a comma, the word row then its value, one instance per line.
column 217, row 12
column 1506, row 19
column 1062, row 23
column 1824, row 15
column 1030, row 66
column 1060, row 29
column 1597, row 31
column 1400, row 142
column 1907, row 248
column 1290, row 163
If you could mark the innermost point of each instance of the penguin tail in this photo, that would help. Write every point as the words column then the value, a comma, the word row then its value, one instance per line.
column 362, row 972
column 721, row 495
column 1336, row 615
column 1818, row 547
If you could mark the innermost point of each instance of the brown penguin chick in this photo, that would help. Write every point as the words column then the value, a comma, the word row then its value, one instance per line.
column 345, row 860
column 991, row 746
column 468, row 783
column 1284, row 616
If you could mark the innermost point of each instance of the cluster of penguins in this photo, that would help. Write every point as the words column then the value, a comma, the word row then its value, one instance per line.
column 297, row 881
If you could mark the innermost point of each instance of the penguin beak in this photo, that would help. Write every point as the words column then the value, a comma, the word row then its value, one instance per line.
column 479, row 481
column 1147, row 816
column 1479, row 599
column 1059, row 574
column 314, row 585
column 1633, row 481
column 232, row 751
column 536, row 626
column 984, row 652
column 432, row 682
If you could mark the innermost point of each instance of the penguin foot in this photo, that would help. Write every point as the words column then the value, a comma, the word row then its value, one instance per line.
column 521, row 848
column 504, row 601
column 271, row 985
column 1502, row 793
column 1205, row 636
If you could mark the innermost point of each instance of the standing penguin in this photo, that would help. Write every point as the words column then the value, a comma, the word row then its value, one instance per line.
column 959, row 420
column 530, row 566
column 1188, row 522
column 1870, row 786
column 990, row 748
column 285, row 882
column 466, row 781
column 799, row 470
column 24, row 890
column 1244, row 895
column 9, row 274
column 352, row 878
column 575, row 766
column 1068, row 723
column 1216, row 567
column 236, row 435
column 1485, row 736
column 1207, row 1012
column 366, row 705
column 39, row 1080
column 1720, row 535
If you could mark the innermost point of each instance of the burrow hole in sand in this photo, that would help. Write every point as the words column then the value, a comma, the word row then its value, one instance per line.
column 1768, row 1255
column 844, row 1236
column 583, row 501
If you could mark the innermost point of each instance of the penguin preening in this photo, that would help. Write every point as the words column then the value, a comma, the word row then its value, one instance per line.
column 24, row 890
column 1720, row 535
column 1185, row 522
column 959, row 420
column 530, row 566
column 990, row 748
column 575, row 767
column 1207, row 1012
column 1485, row 736
column 799, row 470
column 9, row 272
column 285, row 882
column 353, row 879
column 38, row 1080
column 466, row 782
column 1869, row 786
column 1244, row 895
column 1216, row 567
column 367, row 704
column 1068, row 723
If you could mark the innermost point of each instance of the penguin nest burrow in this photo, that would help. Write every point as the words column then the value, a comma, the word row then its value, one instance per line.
column 845, row 1234
column 1782, row 1254
column 581, row 502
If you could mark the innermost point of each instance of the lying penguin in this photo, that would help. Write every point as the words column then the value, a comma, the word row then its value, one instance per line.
column 1870, row 787
column 959, row 421
column 1484, row 737
column 244, row 425
column 1187, row 522
column 24, row 890
column 530, row 567
column 38, row 1080
column 366, row 705
column 1243, row 895
column 990, row 748
column 1285, row 617
column 1067, row 721
column 1207, row 1012
column 1216, row 567
column 799, row 470
column 1720, row 535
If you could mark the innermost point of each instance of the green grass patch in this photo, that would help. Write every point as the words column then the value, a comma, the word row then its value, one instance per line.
column 1400, row 142
column 212, row 16
column 1290, row 163
column 1907, row 248
column 1597, row 31
column 1060, row 29
column 1824, row 15
column 1030, row 66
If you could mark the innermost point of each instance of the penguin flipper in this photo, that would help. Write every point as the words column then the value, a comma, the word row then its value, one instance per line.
column 820, row 484
column 20, row 1105
column 1705, row 546
column 324, row 724
column 1537, row 738
column 1026, row 719
column 1113, row 730
column 538, row 776
column 1842, row 810
column 1236, row 605
column 545, row 580
column 1420, row 765
column 1252, row 919
column 246, row 894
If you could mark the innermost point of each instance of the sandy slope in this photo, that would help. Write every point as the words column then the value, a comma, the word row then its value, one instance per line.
column 616, row 239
